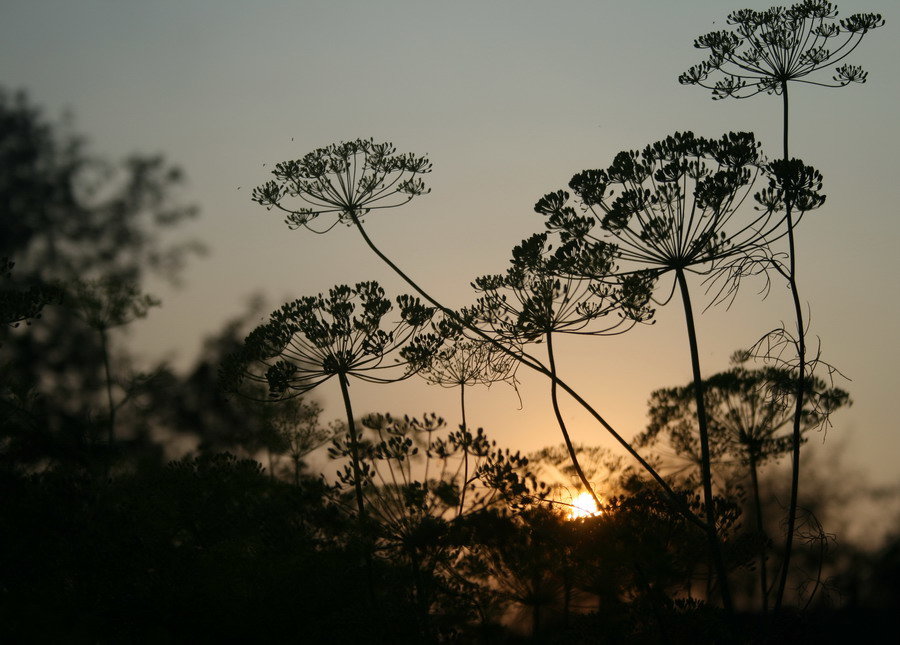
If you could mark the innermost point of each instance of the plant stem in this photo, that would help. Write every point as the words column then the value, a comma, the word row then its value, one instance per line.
column 801, row 376
column 354, row 447
column 562, row 424
column 465, row 437
column 357, row 484
column 760, row 530
column 705, row 467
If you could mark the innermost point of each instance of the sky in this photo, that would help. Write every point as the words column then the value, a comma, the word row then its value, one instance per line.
column 508, row 99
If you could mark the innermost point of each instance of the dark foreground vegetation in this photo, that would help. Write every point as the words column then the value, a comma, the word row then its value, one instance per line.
column 213, row 549
column 429, row 531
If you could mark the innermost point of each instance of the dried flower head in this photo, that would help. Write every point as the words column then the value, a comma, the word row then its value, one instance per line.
column 346, row 180
column 767, row 49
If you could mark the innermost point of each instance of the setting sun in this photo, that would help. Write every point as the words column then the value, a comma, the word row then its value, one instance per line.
column 583, row 505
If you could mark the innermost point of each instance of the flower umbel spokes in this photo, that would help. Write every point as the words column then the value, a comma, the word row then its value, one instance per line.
column 346, row 179
column 766, row 49
column 679, row 204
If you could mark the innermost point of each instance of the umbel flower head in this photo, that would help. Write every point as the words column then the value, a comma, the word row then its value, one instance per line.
column 465, row 363
column 681, row 204
column 748, row 410
column 346, row 333
column 766, row 49
column 569, row 289
column 344, row 180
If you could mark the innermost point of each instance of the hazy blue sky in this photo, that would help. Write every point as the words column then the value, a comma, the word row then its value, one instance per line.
column 509, row 99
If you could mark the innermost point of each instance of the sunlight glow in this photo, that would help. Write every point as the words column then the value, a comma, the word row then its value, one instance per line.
column 583, row 506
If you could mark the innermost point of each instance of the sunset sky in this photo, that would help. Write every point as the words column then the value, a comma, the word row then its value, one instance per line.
column 508, row 99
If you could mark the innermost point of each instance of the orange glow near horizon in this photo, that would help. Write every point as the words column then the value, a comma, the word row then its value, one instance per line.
column 583, row 505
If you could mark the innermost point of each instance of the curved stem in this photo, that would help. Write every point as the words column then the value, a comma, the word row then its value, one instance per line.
column 562, row 424
column 678, row 504
column 801, row 377
column 705, row 467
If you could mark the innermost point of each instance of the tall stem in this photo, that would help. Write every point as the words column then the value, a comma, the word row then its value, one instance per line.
column 705, row 467
column 562, row 424
column 678, row 504
column 801, row 377
column 357, row 484
column 465, row 444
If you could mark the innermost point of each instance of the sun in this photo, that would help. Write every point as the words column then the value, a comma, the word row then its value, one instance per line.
column 583, row 505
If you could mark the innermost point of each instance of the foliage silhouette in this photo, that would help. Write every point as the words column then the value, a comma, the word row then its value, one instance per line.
column 554, row 466
column 416, row 479
column 105, row 304
column 747, row 411
column 69, row 214
column 206, row 548
column 18, row 304
column 765, row 52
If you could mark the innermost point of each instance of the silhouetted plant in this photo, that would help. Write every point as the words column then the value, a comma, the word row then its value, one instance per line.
column 344, row 180
column 20, row 304
column 748, row 410
column 678, row 206
column 548, row 291
column 768, row 49
column 323, row 183
column 298, row 432
column 344, row 334
column 464, row 363
column 641, row 560
column 519, row 557
column 764, row 52
column 553, row 465
column 421, row 486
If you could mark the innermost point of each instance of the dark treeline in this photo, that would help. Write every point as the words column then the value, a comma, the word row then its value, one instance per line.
column 147, row 505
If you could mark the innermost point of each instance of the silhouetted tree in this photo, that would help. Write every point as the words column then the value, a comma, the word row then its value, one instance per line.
column 104, row 305
column 69, row 214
